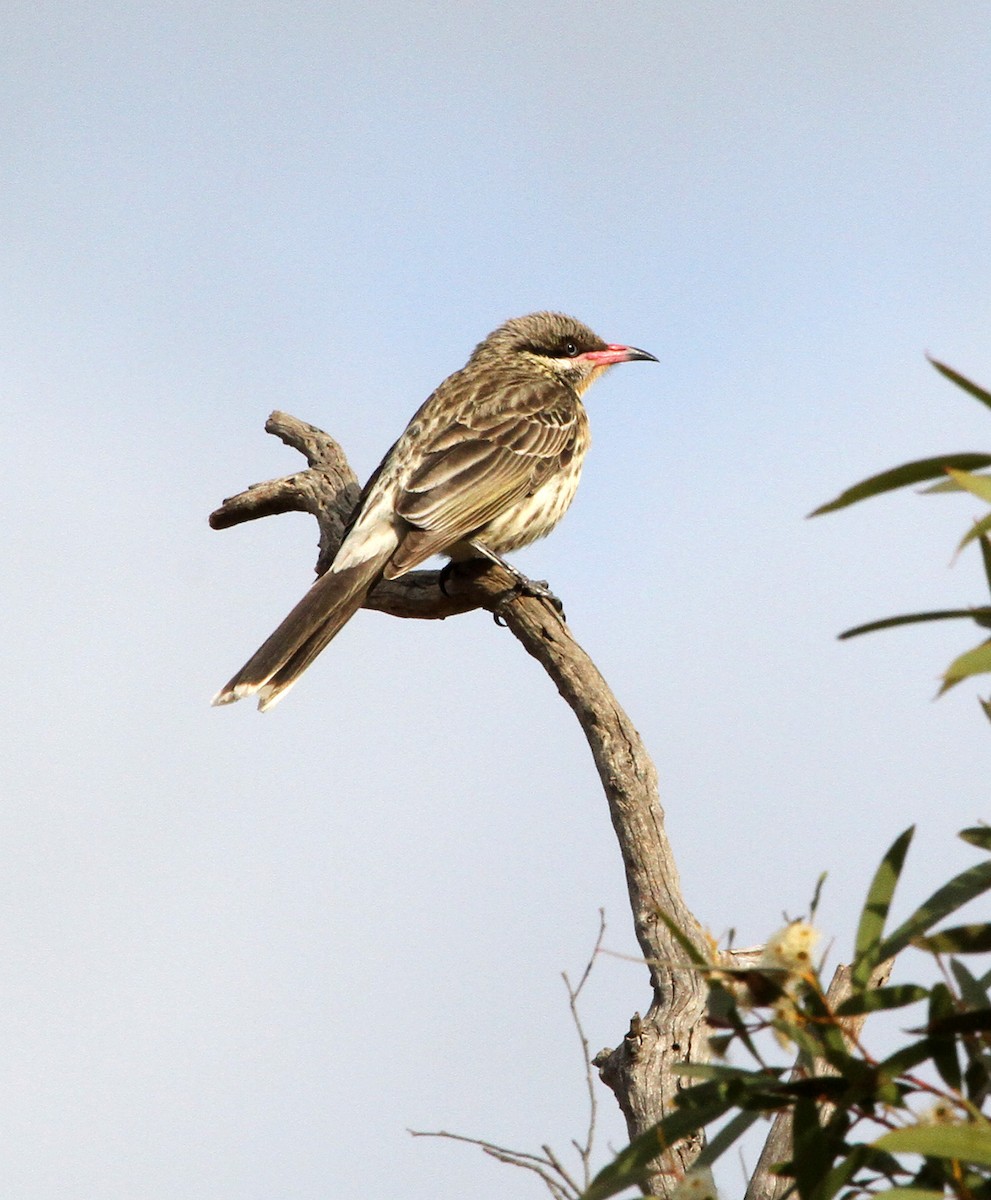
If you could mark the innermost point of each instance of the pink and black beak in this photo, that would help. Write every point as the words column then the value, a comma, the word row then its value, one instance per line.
column 617, row 354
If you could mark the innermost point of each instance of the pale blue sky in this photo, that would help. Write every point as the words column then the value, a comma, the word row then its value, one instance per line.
column 243, row 954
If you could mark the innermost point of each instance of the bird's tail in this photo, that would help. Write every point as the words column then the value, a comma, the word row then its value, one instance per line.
column 329, row 604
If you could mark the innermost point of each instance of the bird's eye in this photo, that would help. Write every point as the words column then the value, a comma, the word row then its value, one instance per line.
column 569, row 349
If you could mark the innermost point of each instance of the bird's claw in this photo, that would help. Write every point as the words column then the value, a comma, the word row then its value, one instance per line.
column 446, row 571
column 540, row 590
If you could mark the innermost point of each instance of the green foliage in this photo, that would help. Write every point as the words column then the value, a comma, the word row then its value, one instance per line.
column 912, row 1126
column 956, row 473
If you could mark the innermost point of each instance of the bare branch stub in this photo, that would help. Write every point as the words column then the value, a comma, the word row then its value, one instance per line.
column 328, row 489
column 641, row 1070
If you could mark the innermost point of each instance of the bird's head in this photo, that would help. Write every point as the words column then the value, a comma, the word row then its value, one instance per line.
column 555, row 344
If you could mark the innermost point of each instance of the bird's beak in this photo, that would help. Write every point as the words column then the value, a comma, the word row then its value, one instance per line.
column 617, row 354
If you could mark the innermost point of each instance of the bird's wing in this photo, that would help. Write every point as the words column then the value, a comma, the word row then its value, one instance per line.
column 479, row 464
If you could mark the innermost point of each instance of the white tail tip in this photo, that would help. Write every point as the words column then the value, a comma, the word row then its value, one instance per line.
column 238, row 692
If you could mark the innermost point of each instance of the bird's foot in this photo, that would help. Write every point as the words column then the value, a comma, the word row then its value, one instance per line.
column 522, row 586
column 540, row 590
column 537, row 588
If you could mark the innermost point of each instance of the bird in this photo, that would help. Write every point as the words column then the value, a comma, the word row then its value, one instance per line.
column 489, row 463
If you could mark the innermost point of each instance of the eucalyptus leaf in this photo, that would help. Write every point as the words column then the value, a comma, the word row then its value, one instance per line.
column 721, row 1071
column 694, row 954
column 973, row 662
column 945, row 900
column 942, row 1008
column 843, row 1172
column 904, row 476
column 906, row 1058
column 977, row 835
column 960, row 939
column 978, row 1021
column 875, row 913
column 962, row 382
column 986, row 557
column 977, row 485
column 944, row 487
column 973, row 990
column 878, row 999
column 730, row 1132
column 941, row 614
column 968, row 1143
column 979, row 529
column 697, row 1107
column 909, row 1193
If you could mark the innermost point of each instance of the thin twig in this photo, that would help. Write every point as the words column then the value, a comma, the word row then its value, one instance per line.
column 516, row 1158
column 585, row 1152
column 540, row 1164
column 556, row 1163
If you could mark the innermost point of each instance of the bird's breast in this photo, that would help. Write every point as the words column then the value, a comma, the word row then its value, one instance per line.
column 535, row 515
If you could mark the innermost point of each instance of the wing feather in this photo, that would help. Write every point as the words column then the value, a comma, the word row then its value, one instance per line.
column 474, row 468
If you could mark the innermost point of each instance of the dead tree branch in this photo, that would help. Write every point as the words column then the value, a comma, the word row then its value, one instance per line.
column 640, row 1071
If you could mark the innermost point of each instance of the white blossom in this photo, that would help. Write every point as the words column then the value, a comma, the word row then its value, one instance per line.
column 790, row 949
column 697, row 1184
